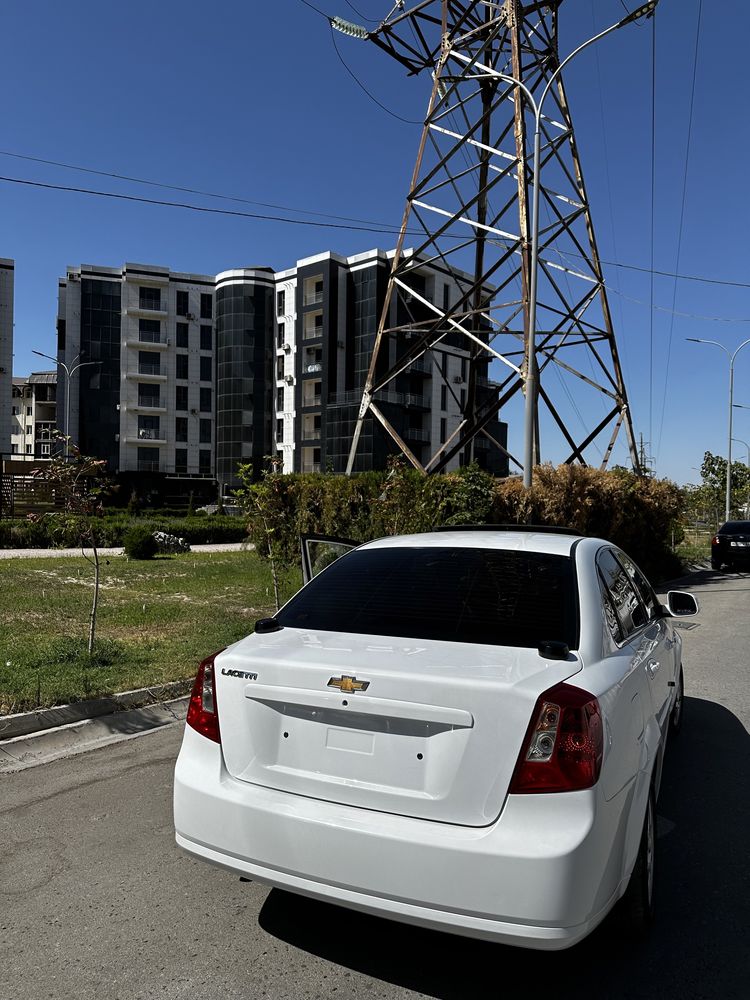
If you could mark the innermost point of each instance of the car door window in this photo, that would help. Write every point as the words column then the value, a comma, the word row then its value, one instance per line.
column 319, row 551
column 629, row 610
column 641, row 584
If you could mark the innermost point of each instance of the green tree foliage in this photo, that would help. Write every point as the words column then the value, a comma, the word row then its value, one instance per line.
column 641, row 515
column 714, row 485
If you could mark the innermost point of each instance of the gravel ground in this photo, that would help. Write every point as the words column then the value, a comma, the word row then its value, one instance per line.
column 56, row 553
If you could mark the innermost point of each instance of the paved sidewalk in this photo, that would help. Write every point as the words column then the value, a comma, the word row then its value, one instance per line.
column 56, row 553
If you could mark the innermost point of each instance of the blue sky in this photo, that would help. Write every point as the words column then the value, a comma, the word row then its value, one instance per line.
column 249, row 99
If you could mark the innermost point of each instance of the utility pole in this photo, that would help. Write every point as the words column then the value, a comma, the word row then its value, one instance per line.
column 509, row 225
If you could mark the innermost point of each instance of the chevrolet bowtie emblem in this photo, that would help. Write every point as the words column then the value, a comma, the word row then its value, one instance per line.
column 348, row 684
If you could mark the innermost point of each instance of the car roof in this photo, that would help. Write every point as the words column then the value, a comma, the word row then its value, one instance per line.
column 512, row 540
column 736, row 526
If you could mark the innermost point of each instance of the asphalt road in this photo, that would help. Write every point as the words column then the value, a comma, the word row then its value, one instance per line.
column 96, row 902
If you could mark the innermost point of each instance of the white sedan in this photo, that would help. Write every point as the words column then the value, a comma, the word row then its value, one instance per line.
column 463, row 730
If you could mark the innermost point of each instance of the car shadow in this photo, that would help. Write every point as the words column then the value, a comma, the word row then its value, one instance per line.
column 697, row 947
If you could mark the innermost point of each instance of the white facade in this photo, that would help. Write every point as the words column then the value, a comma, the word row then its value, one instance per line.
column 6, row 351
column 285, row 308
column 33, row 416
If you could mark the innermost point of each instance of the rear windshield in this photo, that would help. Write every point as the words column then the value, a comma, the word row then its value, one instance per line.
column 456, row 594
column 735, row 528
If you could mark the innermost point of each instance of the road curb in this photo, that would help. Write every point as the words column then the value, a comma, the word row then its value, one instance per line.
column 28, row 723
column 75, row 738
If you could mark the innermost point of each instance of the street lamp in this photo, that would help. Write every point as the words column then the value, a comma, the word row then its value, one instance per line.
column 646, row 10
column 715, row 343
column 69, row 372
column 740, row 441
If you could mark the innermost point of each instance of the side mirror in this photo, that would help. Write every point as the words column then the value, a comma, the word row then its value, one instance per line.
column 681, row 604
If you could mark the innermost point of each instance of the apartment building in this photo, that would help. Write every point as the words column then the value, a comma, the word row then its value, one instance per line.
column 187, row 376
column 33, row 416
column 6, row 351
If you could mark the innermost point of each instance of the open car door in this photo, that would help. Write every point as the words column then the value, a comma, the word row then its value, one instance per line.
column 319, row 551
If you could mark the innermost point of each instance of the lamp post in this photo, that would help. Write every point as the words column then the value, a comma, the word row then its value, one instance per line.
column 715, row 343
column 530, row 411
column 69, row 372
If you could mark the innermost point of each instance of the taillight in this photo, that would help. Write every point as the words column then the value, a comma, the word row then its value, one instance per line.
column 562, row 751
column 715, row 540
column 202, row 715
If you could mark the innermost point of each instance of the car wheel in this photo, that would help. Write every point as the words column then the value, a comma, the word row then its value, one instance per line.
column 678, row 709
column 637, row 905
column 716, row 564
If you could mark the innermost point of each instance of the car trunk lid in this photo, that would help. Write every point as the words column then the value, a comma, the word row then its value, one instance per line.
column 416, row 727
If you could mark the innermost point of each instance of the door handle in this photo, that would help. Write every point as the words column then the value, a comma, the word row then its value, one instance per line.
column 653, row 666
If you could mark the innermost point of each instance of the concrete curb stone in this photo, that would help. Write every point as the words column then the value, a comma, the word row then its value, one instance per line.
column 26, row 723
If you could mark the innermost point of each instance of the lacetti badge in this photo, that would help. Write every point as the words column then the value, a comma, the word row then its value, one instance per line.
column 347, row 684
column 239, row 673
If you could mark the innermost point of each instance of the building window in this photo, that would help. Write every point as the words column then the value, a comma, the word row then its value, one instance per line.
column 148, row 459
column 181, row 399
column 446, row 298
column 443, row 396
column 149, row 331
column 206, row 338
column 463, row 369
column 181, row 335
column 279, row 399
column 149, row 298
column 280, row 367
column 463, row 400
column 280, row 303
column 14, row 449
column 206, row 369
column 204, row 432
column 181, row 425
column 207, row 306
column 279, row 431
column 443, row 429
column 28, row 428
column 204, row 460
column 149, row 363
column 180, row 460
column 205, row 401
column 15, row 411
column 45, row 449
column 182, row 303
column 182, row 366
column 148, row 395
column 28, row 411
column 28, row 449
column 280, row 335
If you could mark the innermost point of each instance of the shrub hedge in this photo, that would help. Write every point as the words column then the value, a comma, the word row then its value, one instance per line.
column 61, row 530
column 638, row 514
column 139, row 542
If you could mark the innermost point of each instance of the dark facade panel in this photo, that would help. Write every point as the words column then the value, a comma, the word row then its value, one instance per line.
column 99, row 387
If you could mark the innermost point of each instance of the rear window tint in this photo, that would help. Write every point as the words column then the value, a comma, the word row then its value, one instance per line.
column 735, row 528
column 454, row 594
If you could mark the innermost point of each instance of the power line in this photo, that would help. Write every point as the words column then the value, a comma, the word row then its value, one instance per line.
column 197, row 208
column 682, row 221
column 381, row 228
column 407, row 121
column 372, row 20
column 653, row 189
column 177, row 187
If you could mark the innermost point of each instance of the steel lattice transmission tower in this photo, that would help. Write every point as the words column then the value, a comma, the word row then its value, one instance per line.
column 468, row 212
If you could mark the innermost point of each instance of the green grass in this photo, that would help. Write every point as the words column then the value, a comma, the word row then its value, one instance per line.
column 695, row 547
column 156, row 621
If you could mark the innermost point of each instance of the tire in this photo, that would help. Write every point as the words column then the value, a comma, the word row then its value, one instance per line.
column 716, row 564
column 637, row 905
column 678, row 709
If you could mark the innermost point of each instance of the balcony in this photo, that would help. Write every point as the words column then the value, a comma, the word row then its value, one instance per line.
column 147, row 310
column 311, row 401
column 148, row 372
column 311, row 434
column 311, row 467
column 147, row 466
column 151, row 403
column 155, row 436
column 313, row 332
column 155, row 341
column 417, row 434
column 313, row 298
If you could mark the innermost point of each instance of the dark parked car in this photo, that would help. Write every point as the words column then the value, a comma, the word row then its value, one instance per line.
column 731, row 546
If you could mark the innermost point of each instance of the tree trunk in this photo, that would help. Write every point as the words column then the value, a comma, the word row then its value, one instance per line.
column 95, row 602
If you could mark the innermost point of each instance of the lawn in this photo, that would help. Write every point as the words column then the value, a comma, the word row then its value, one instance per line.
column 157, row 619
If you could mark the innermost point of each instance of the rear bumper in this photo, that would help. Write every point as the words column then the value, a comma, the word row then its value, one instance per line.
column 542, row 876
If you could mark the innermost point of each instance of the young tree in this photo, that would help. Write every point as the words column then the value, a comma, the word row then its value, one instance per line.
column 714, row 473
column 78, row 483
